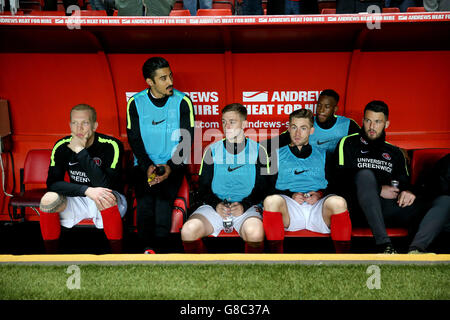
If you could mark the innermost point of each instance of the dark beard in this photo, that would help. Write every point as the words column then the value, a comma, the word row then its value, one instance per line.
column 373, row 143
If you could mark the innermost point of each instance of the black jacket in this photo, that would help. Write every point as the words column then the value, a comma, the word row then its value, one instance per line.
column 356, row 152
column 100, row 165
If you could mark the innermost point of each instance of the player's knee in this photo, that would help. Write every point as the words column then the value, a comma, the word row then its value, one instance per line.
column 273, row 203
column 336, row 204
column 112, row 204
column 253, row 230
column 191, row 230
column 52, row 202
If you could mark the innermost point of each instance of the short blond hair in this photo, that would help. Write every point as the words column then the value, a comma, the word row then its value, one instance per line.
column 83, row 107
column 302, row 113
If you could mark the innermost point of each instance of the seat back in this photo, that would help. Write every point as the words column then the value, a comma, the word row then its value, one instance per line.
column 390, row 10
column 179, row 13
column 328, row 11
column 415, row 9
column 36, row 165
column 423, row 160
column 214, row 12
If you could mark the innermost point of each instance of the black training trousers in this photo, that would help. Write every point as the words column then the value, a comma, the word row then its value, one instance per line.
column 380, row 212
column 432, row 224
column 154, row 209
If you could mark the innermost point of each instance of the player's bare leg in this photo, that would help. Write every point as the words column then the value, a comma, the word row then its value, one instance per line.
column 252, row 232
column 193, row 231
column 51, row 204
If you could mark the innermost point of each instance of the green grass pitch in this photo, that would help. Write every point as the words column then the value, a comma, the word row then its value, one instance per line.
column 225, row 282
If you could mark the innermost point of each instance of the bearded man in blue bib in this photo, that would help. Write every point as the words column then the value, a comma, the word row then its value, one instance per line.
column 160, row 129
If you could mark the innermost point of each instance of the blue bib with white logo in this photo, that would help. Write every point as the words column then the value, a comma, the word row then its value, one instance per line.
column 234, row 174
column 298, row 174
column 327, row 139
column 160, row 126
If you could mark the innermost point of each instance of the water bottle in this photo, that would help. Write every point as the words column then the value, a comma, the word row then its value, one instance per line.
column 395, row 183
column 228, row 219
column 159, row 171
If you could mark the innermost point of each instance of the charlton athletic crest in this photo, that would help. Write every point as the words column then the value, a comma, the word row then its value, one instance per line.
column 386, row 156
column 97, row 161
column 363, row 141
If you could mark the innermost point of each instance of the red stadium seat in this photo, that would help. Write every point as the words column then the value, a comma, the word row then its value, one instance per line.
column 33, row 173
column 223, row 4
column 366, row 232
column 182, row 12
column 180, row 207
column 47, row 13
column 423, row 160
column 326, row 4
column 214, row 12
column 328, row 11
column 356, row 233
column 179, row 212
column 8, row 13
column 415, row 9
column 390, row 10
column 92, row 13
column 216, row 4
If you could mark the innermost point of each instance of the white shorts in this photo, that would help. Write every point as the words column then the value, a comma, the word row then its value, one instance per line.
column 306, row 216
column 216, row 220
column 80, row 208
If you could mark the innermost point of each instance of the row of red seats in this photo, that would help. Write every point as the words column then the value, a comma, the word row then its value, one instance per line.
column 35, row 8
column 219, row 8
column 200, row 12
column 36, row 165
column 383, row 10
column 184, row 12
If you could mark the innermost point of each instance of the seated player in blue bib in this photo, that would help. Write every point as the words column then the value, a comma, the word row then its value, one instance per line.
column 299, row 199
column 232, row 182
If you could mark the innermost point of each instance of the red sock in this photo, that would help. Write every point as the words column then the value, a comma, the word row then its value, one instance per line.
column 50, row 225
column 341, row 232
column 112, row 223
column 254, row 247
column 341, row 227
column 196, row 246
column 273, row 225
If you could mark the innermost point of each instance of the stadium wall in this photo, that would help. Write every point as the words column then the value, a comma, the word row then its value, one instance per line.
column 271, row 66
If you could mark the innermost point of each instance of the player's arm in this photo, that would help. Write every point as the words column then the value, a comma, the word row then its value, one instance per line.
column 262, row 183
column 187, row 126
column 109, row 174
column 273, row 177
column 276, row 142
column 353, row 127
column 56, row 173
column 401, row 173
column 340, row 168
column 135, row 138
column 205, row 194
